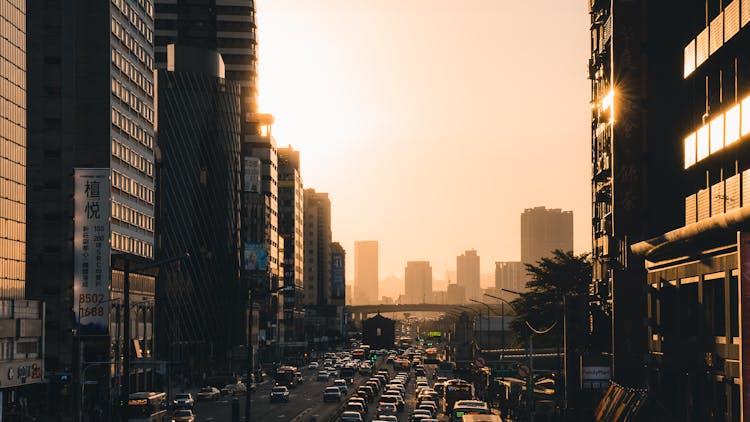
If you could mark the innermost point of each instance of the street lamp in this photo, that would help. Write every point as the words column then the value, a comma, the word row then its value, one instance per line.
column 502, row 324
column 126, row 311
column 248, row 402
column 487, row 328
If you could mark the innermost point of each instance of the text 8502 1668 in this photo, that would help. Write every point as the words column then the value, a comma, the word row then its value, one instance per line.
column 90, row 305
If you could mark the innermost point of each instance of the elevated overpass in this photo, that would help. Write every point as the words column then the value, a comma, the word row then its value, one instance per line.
column 360, row 312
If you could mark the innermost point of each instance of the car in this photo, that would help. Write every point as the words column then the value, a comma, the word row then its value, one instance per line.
column 183, row 400
column 354, row 406
column 235, row 389
column 323, row 376
column 431, row 409
column 360, row 400
column 279, row 393
column 341, row 384
column 351, row 417
column 386, row 409
column 388, row 418
column 368, row 390
column 395, row 399
column 417, row 415
column 183, row 415
column 208, row 393
column 313, row 365
column 331, row 394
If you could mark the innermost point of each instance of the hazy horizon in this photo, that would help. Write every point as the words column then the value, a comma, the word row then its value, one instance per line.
column 432, row 126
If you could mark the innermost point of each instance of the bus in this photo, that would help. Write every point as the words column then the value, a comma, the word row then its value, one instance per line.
column 147, row 406
column 285, row 376
column 454, row 391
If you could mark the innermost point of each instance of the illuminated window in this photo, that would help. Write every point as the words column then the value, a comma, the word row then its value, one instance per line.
column 745, row 119
column 689, row 59
column 717, row 134
column 732, row 125
column 690, row 150
column 702, row 143
column 716, row 33
column 701, row 48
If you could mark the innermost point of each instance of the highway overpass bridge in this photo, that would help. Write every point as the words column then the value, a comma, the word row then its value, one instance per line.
column 360, row 312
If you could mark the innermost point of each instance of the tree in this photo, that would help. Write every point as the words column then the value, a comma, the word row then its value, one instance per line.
column 552, row 279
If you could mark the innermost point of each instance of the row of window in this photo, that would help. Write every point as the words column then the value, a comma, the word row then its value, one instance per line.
column 12, row 91
column 13, row 24
column 13, row 140
column 11, row 269
column 132, row 158
column 132, row 245
column 15, row 172
column 724, row 130
column 18, row 349
column 132, row 15
column 12, row 210
column 132, row 187
column 13, row 230
column 132, row 129
column 720, row 30
column 134, row 101
column 11, row 110
column 14, row 61
column 142, row 79
column 132, row 216
column 143, row 55
column 12, row 191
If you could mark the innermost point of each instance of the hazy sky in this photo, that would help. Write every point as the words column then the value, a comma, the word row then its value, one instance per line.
column 433, row 123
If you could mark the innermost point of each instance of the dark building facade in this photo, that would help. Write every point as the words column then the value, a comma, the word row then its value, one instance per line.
column 638, row 100
column 198, row 135
column 379, row 332
column 91, row 114
column 697, row 296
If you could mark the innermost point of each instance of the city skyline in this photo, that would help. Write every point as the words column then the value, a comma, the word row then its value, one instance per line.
column 405, row 197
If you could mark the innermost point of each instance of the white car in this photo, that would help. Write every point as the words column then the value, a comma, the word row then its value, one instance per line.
column 183, row 400
column 341, row 384
column 313, row 365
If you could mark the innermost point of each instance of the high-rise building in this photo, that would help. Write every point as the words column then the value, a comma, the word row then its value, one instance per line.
column 13, row 149
column 508, row 276
column 317, row 222
column 418, row 282
column 455, row 294
column 227, row 26
column 366, row 272
column 467, row 273
column 338, row 286
column 22, row 335
column 671, row 188
column 291, row 229
column 198, row 187
column 91, row 139
column 543, row 231
column 646, row 107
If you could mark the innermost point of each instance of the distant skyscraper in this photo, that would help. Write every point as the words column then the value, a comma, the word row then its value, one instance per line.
column 366, row 272
column 455, row 294
column 542, row 231
column 467, row 273
column 508, row 276
column 317, row 240
column 418, row 281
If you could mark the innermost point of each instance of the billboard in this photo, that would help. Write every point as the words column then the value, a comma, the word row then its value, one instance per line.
column 338, row 278
column 91, row 250
column 255, row 257
column 251, row 174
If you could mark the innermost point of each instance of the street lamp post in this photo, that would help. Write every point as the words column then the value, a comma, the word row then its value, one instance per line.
column 487, row 328
column 248, row 402
column 126, row 323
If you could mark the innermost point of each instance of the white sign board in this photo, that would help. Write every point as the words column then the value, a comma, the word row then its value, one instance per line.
column 251, row 174
column 91, row 250
column 596, row 373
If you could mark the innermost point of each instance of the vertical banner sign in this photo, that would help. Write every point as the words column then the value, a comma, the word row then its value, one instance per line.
column 251, row 174
column 744, row 308
column 338, row 278
column 91, row 250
